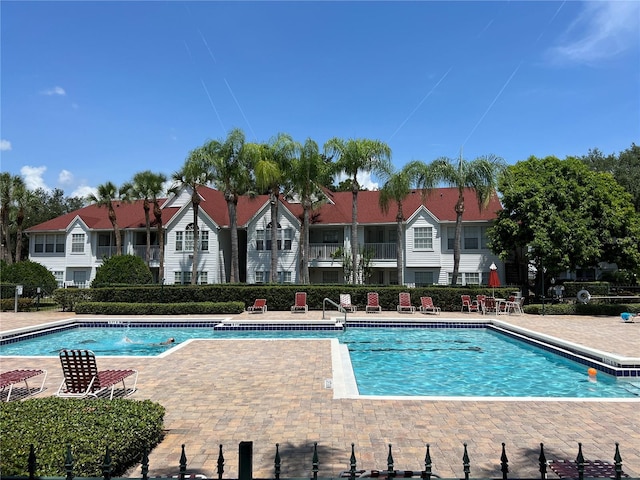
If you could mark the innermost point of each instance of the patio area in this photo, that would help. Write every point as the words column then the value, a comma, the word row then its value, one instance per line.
column 228, row 391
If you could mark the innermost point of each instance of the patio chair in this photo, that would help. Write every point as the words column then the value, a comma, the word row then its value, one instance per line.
column 259, row 306
column 490, row 306
column 373, row 303
column 345, row 302
column 514, row 305
column 301, row 303
column 14, row 377
column 404, row 305
column 427, row 306
column 480, row 302
column 82, row 378
column 471, row 306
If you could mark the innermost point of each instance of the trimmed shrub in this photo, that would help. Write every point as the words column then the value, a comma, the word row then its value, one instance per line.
column 116, row 308
column 551, row 309
column 123, row 269
column 9, row 304
column 30, row 275
column 571, row 289
column 67, row 298
column 89, row 427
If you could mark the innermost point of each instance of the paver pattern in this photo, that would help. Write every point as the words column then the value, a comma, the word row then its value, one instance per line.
column 228, row 391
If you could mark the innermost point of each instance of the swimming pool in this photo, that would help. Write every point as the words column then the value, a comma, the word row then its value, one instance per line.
column 466, row 362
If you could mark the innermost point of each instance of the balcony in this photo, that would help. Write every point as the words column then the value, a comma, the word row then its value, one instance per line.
column 323, row 251
column 382, row 251
column 141, row 251
column 105, row 252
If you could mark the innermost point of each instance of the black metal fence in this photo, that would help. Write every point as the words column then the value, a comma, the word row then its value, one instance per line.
column 580, row 469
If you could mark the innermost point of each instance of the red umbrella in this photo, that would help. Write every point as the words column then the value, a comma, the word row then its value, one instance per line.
column 494, row 280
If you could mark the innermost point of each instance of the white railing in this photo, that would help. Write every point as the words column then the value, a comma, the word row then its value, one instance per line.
column 105, row 252
column 323, row 251
column 382, row 251
column 141, row 251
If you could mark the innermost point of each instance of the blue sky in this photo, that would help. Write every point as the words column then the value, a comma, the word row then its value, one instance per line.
column 97, row 91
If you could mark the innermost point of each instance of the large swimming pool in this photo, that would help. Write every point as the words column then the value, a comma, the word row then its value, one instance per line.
column 386, row 361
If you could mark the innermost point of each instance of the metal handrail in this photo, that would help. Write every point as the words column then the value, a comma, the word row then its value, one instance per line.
column 340, row 308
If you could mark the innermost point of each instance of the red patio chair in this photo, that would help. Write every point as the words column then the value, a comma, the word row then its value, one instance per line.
column 13, row 377
column 301, row 303
column 373, row 304
column 427, row 306
column 345, row 302
column 82, row 378
column 471, row 306
column 404, row 305
column 259, row 306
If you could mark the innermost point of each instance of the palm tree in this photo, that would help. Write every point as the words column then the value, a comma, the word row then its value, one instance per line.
column 155, row 190
column 22, row 197
column 106, row 193
column 271, row 171
column 194, row 173
column 309, row 172
column 146, row 186
column 230, row 163
column 396, row 189
column 8, row 184
column 480, row 175
column 353, row 157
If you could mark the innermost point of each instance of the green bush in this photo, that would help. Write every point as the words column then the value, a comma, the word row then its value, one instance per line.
column 117, row 308
column 67, row 298
column 571, row 289
column 610, row 309
column 122, row 269
column 551, row 309
column 9, row 304
column 88, row 426
column 31, row 275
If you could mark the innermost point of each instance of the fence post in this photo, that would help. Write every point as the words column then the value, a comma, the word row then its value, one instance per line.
column 314, row 461
column 542, row 462
column 352, row 464
column 68, row 463
column 145, row 463
column 465, row 463
column 580, row 462
column 245, row 467
column 617, row 458
column 106, row 465
column 31, row 463
column 504, row 463
column 390, row 471
column 277, row 462
column 220, row 463
column 183, row 464
column 427, row 465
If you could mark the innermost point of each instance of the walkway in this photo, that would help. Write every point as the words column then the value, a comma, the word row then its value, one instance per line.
column 273, row 392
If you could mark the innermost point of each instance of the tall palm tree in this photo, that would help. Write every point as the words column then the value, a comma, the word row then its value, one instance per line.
column 230, row 163
column 146, row 186
column 480, row 175
column 309, row 172
column 194, row 173
column 272, row 171
column 22, row 197
column 156, row 189
column 8, row 183
column 106, row 193
column 396, row 189
column 355, row 156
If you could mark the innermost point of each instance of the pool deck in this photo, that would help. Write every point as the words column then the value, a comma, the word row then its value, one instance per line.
column 268, row 392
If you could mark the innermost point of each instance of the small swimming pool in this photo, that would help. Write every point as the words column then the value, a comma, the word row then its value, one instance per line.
column 465, row 362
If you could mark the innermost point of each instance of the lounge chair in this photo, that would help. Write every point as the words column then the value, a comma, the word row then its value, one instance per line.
column 13, row 377
column 301, row 303
column 404, row 305
column 259, row 306
column 373, row 303
column 345, row 302
column 471, row 306
column 427, row 306
column 82, row 378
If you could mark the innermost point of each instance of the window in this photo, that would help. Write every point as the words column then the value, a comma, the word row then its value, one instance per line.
column 330, row 276
column 330, row 236
column 49, row 243
column 262, row 277
column 259, row 240
column 77, row 243
column 470, row 238
column 473, row 238
column 423, row 279
column 484, row 238
column 466, row 278
column 422, row 238
column 393, row 277
column 288, row 236
column 204, row 241
column 38, row 244
column 188, row 238
column 179, row 242
column 203, row 278
column 284, row 277
column 59, row 275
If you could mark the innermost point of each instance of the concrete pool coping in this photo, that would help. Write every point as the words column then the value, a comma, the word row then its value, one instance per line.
column 269, row 392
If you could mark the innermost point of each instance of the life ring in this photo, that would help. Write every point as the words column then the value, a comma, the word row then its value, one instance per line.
column 584, row 296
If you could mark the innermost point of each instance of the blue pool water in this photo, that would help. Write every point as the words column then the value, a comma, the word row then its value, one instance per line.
column 386, row 361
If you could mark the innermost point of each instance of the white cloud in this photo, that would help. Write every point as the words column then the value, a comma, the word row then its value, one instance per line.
column 364, row 179
column 602, row 30
column 5, row 145
column 33, row 177
column 54, row 91
column 84, row 191
column 65, row 177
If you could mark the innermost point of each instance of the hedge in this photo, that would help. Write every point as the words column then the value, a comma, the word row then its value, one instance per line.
column 119, row 308
column 88, row 426
column 589, row 309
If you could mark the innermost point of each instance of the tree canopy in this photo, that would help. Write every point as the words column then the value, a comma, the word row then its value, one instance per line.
column 561, row 216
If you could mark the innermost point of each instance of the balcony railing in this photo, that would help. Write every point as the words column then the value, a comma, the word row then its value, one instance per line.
column 324, row 251
column 382, row 251
column 141, row 251
column 105, row 252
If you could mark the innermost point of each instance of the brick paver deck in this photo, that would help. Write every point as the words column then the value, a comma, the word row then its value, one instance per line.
column 224, row 392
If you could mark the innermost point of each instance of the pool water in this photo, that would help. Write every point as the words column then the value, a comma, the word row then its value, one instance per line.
column 386, row 361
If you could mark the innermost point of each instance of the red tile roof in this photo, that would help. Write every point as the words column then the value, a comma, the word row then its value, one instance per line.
column 440, row 203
